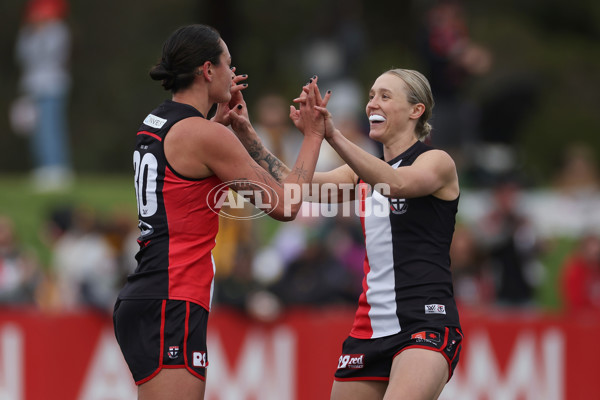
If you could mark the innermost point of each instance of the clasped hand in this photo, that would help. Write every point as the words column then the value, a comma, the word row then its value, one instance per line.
column 312, row 118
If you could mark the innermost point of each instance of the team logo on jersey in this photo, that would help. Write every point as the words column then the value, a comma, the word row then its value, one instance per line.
column 354, row 361
column 173, row 352
column 398, row 206
column 154, row 121
column 435, row 309
column 199, row 359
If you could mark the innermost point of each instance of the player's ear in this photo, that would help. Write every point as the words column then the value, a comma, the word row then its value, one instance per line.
column 206, row 71
column 417, row 111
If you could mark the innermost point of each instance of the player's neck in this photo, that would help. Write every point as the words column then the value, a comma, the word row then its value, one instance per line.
column 194, row 97
column 399, row 145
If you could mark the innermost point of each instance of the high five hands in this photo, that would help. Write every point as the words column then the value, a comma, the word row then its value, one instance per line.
column 313, row 116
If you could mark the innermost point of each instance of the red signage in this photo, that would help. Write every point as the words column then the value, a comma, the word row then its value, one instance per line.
column 505, row 356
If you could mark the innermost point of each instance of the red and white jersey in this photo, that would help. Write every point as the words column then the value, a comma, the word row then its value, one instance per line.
column 407, row 264
column 178, row 219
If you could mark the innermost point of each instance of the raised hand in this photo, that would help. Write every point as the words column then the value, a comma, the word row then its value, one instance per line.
column 328, row 120
column 310, row 98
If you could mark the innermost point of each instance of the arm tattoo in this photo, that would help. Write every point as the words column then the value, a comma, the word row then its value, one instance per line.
column 300, row 172
column 260, row 185
column 266, row 160
column 275, row 167
column 262, row 175
column 255, row 149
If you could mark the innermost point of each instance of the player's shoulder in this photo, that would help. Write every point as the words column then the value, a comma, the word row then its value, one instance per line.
column 437, row 156
column 201, row 130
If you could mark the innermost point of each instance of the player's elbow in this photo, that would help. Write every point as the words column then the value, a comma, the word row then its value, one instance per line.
column 283, row 218
column 285, row 213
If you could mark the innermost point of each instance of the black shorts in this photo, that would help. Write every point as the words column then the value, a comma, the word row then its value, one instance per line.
column 371, row 359
column 157, row 334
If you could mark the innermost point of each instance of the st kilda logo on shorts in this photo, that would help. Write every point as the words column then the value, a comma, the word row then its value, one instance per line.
column 355, row 361
column 173, row 352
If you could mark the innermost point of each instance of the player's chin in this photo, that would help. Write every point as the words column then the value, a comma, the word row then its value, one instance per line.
column 376, row 133
column 221, row 96
column 224, row 98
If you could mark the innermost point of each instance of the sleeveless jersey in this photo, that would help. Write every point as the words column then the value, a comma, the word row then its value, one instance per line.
column 178, row 219
column 407, row 280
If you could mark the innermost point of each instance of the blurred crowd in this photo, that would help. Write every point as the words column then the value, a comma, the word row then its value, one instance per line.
column 91, row 256
column 264, row 267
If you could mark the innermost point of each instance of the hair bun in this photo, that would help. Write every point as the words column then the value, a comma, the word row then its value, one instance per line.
column 187, row 48
column 161, row 72
column 426, row 129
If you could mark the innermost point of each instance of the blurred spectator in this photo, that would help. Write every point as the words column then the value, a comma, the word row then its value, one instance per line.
column 233, row 289
column 20, row 273
column 473, row 285
column 581, row 277
column 242, row 291
column 451, row 58
column 320, row 260
column 578, row 173
column 42, row 51
column 343, row 238
column 84, row 263
column 315, row 278
column 288, row 242
column 121, row 232
column 512, row 247
column 504, row 107
column 312, row 261
column 236, row 235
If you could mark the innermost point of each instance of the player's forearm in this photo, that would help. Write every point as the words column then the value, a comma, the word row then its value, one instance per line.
column 297, row 183
column 263, row 156
column 304, row 168
column 369, row 168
